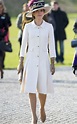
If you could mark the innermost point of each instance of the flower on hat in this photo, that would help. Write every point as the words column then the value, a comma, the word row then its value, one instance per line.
column 30, row 3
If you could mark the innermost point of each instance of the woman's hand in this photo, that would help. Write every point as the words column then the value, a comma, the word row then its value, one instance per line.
column 52, row 68
column 20, row 66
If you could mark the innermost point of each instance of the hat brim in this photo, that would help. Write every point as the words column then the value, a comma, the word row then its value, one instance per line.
column 47, row 9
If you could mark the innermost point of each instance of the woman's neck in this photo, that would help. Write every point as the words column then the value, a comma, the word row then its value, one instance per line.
column 38, row 22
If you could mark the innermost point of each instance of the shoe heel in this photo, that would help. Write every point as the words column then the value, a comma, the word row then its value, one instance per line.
column 1, row 74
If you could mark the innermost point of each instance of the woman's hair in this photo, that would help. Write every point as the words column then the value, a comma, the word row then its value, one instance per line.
column 25, row 4
column 2, row 3
column 33, row 17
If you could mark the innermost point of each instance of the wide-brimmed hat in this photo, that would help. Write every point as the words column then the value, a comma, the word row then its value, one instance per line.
column 37, row 6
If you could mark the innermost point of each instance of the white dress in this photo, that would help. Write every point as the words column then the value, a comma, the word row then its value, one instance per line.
column 37, row 76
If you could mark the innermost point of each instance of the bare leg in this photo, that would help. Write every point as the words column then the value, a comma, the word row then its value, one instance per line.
column 42, row 98
column 32, row 97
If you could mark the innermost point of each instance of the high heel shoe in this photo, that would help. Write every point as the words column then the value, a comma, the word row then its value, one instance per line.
column 42, row 115
column 34, row 122
column 1, row 74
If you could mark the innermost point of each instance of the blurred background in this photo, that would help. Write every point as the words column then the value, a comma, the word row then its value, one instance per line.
column 14, row 7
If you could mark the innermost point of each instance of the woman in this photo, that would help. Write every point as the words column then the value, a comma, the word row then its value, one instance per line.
column 38, row 73
column 22, row 20
column 4, row 24
column 74, row 64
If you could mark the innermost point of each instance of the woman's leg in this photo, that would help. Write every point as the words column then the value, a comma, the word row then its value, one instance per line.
column 3, row 59
column 32, row 97
column 1, row 63
column 42, row 98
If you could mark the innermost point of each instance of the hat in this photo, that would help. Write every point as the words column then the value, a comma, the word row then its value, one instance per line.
column 37, row 6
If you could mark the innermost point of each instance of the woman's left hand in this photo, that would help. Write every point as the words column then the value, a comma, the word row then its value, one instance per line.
column 52, row 69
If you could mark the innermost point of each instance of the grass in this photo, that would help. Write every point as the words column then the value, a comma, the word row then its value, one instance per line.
column 69, row 52
column 11, row 60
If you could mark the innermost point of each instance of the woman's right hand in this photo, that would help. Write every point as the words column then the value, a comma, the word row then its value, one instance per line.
column 20, row 66
column 52, row 68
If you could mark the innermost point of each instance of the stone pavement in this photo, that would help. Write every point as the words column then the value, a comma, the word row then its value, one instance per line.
column 61, row 108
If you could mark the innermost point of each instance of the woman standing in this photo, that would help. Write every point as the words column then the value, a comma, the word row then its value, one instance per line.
column 5, row 23
column 37, row 76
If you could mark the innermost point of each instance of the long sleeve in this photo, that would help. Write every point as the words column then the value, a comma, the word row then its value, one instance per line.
column 24, row 41
column 8, row 20
column 19, row 21
column 75, row 27
column 51, row 42
column 65, row 20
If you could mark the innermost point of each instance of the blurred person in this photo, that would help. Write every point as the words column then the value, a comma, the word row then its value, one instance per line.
column 22, row 20
column 25, row 19
column 58, row 18
column 37, row 74
column 74, row 64
column 5, row 23
column 75, row 27
column 46, row 16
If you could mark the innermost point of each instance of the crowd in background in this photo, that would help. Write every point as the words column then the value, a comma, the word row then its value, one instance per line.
column 41, row 28
column 59, row 20
column 57, row 17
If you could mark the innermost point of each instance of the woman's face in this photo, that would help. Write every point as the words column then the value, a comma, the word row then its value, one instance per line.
column 39, row 14
column 1, row 9
column 25, row 8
